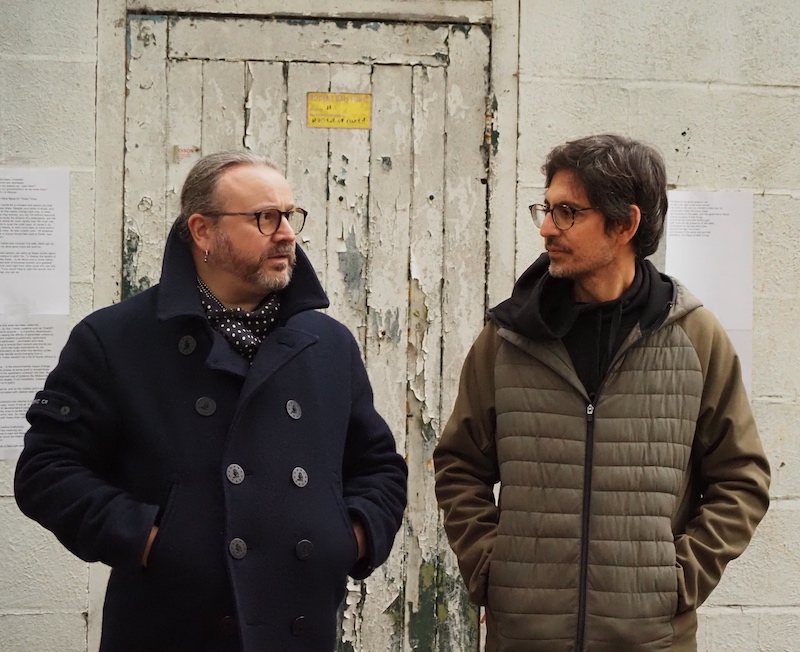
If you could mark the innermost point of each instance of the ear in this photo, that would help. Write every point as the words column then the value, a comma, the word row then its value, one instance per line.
column 626, row 233
column 201, row 227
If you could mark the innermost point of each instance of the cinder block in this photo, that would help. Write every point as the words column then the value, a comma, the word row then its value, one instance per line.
column 727, row 630
column 746, row 630
column 778, row 630
column 49, row 28
column 7, row 477
column 720, row 137
column 680, row 121
column 712, row 138
column 777, row 424
column 49, row 118
column 38, row 573
column 81, row 224
column 776, row 241
column 764, row 575
column 81, row 297
column 735, row 42
column 775, row 345
column 552, row 112
column 43, row 632
column 754, row 137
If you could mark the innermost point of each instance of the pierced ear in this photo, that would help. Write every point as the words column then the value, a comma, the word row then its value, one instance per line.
column 200, row 227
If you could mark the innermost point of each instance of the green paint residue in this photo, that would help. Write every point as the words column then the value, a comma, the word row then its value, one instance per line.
column 130, row 284
column 422, row 624
column 457, row 618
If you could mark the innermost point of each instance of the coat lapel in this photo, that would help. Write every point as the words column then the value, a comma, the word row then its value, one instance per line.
column 280, row 347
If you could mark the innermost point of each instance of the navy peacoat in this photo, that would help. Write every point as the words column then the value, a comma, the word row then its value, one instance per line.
column 253, row 473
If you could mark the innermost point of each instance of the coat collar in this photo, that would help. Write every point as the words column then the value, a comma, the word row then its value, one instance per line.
column 178, row 295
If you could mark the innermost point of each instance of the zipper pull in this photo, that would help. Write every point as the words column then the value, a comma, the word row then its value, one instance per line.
column 590, row 412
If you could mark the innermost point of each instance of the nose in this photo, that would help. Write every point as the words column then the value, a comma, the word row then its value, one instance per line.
column 548, row 227
column 284, row 232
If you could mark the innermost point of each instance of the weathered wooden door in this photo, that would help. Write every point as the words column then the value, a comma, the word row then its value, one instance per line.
column 396, row 230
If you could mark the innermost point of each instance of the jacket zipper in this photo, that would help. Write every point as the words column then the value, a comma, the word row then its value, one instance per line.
column 587, row 499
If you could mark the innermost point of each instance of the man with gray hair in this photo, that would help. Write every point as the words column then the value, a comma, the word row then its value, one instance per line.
column 214, row 440
column 609, row 405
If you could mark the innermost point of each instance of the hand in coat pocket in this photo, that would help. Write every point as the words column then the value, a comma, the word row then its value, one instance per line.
column 361, row 538
column 150, row 539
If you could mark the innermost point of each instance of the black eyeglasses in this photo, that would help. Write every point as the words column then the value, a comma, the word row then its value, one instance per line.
column 563, row 214
column 268, row 221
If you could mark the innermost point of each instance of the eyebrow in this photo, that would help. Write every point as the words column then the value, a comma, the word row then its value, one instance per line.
column 274, row 207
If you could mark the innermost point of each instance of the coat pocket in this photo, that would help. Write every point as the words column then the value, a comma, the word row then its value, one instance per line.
column 163, row 522
column 351, row 555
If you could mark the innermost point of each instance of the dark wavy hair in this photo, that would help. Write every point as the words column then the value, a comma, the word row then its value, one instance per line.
column 198, row 194
column 616, row 172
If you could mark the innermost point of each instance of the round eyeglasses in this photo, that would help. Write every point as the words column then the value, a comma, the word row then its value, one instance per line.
column 563, row 214
column 269, row 220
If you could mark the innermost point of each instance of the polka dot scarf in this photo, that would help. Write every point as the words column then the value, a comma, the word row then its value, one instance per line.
column 244, row 330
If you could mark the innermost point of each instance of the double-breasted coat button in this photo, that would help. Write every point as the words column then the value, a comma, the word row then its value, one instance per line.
column 238, row 548
column 64, row 410
column 294, row 410
column 235, row 473
column 299, row 626
column 205, row 406
column 299, row 476
column 303, row 549
column 187, row 344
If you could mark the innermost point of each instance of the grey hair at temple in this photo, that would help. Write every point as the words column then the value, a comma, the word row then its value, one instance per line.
column 199, row 189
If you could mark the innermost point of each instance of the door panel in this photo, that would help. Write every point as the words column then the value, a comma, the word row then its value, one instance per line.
column 396, row 230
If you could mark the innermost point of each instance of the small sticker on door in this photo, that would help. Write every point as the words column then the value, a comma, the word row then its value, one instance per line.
column 339, row 110
column 184, row 153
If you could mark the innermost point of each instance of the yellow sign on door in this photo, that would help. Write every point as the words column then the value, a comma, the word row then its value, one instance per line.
column 339, row 110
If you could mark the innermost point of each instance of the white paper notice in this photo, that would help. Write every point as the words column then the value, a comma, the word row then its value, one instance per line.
column 34, row 290
column 710, row 251
column 34, row 241
column 29, row 349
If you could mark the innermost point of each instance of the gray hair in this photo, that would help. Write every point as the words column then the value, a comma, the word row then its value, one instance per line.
column 198, row 194
column 615, row 173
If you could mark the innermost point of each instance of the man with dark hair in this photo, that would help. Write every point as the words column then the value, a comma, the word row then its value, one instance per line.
column 609, row 405
column 213, row 439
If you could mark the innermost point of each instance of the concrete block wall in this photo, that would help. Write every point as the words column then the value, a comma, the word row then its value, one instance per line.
column 48, row 57
column 716, row 86
column 48, row 60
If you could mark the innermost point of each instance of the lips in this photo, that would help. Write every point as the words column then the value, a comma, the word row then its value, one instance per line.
column 553, row 248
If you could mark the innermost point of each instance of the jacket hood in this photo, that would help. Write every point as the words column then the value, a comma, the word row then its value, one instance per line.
column 541, row 306
column 178, row 286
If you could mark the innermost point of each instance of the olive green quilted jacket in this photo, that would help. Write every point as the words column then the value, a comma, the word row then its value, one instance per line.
column 615, row 518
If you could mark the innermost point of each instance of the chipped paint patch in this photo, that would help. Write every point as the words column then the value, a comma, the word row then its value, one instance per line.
column 386, row 325
column 350, row 616
column 130, row 253
column 458, row 620
column 352, row 266
column 146, row 36
column 422, row 620
column 386, row 163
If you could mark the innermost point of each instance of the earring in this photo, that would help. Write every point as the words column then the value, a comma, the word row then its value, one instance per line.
column 205, row 260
